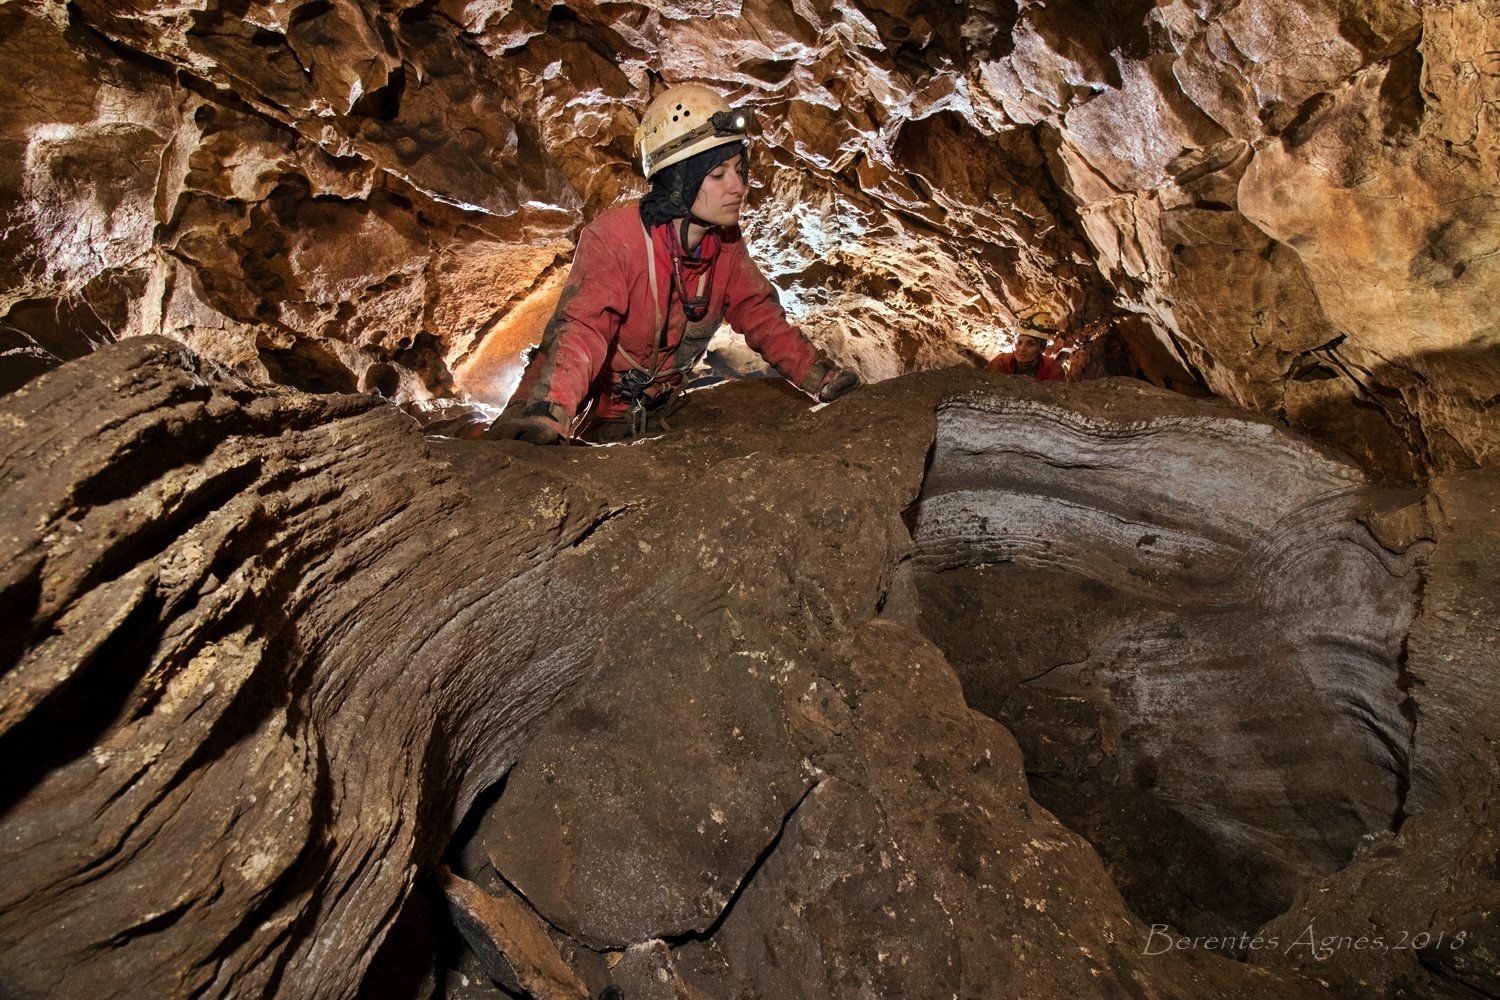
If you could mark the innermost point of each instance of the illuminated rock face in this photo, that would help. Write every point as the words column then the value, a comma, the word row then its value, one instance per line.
column 1289, row 202
column 230, row 759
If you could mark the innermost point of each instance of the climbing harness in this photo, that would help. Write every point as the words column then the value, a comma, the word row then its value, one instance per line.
column 634, row 384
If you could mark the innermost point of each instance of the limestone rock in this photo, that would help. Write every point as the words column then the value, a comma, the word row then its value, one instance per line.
column 649, row 971
column 1172, row 648
column 610, row 825
column 273, row 644
column 239, row 719
column 511, row 942
column 1290, row 202
column 1454, row 646
column 1427, row 892
column 575, row 832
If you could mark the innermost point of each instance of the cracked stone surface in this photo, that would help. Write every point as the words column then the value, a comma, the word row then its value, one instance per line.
column 1288, row 203
column 1195, row 625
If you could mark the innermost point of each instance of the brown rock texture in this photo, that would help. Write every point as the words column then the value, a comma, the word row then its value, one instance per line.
column 267, row 647
column 239, row 721
column 510, row 940
column 1291, row 203
column 1171, row 626
column 1200, row 630
column 1428, row 892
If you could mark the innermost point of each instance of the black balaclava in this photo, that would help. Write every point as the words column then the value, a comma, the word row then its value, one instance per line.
column 675, row 188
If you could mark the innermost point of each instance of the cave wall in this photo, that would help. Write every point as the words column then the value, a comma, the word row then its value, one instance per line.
column 1303, row 196
column 1174, row 633
column 1290, row 202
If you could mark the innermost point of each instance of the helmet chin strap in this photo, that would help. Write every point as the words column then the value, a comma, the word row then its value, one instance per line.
column 680, row 196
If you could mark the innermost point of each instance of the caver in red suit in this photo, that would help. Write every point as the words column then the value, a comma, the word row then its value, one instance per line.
column 1027, row 359
column 1047, row 368
column 614, row 324
column 651, row 282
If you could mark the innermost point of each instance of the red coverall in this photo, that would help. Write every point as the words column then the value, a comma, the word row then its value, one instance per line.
column 1047, row 368
column 606, row 323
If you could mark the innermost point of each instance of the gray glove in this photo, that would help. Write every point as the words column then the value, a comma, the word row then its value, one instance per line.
column 533, row 430
column 840, row 383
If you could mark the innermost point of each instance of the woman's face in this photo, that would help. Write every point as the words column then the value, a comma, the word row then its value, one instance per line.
column 1027, row 348
column 722, row 195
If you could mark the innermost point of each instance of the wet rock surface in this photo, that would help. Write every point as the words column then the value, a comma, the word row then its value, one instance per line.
column 1290, row 203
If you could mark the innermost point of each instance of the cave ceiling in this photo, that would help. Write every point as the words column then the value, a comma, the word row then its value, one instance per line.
column 1288, row 203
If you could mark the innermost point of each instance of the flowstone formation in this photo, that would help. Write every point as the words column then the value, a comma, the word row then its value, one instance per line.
column 1289, row 203
column 268, row 647
column 1196, row 629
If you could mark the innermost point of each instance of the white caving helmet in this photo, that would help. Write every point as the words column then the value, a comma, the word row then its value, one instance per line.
column 684, row 121
column 1036, row 324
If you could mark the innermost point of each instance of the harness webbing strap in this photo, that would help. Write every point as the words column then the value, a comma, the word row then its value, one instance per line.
column 651, row 273
column 638, row 410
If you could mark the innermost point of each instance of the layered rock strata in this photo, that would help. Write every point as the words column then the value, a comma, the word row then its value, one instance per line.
column 1428, row 891
column 1278, row 712
column 262, row 647
column 269, row 646
column 1175, row 615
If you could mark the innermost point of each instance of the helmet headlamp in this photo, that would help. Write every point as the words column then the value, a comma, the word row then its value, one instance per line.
column 729, row 123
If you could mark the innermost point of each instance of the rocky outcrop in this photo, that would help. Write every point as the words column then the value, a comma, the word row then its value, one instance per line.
column 307, row 193
column 270, row 646
column 239, row 712
column 1283, row 714
column 1205, row 635
column 1428, row 891
column 1290, row 203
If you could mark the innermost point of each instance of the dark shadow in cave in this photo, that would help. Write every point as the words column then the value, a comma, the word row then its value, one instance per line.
column 309, row 366
column 423, row 944
column 1168, row 868
column 1377, row 411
